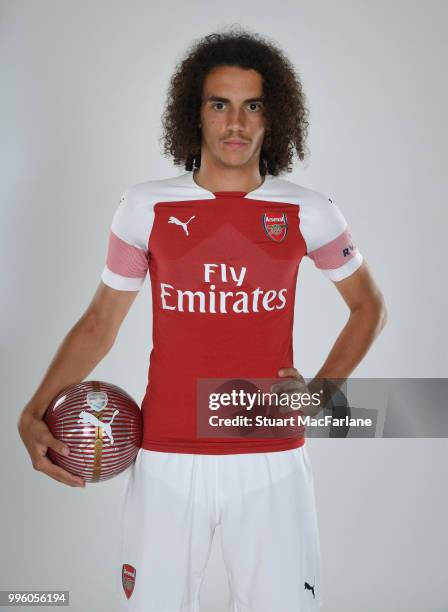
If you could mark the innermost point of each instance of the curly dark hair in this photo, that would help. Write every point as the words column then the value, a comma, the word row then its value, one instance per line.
column 284, row 100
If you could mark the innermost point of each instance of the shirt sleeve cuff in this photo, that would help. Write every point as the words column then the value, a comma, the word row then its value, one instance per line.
column 122, row 283
column 346, row 270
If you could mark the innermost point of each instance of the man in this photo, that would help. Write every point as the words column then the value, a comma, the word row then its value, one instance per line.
column 223, row 242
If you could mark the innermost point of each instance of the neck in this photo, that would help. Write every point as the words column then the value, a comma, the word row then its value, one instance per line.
column 224, row 178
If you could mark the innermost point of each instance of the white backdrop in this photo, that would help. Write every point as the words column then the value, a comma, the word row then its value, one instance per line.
column 83, row 88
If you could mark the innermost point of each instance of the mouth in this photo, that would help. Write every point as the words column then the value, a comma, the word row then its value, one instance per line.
column 235, row 144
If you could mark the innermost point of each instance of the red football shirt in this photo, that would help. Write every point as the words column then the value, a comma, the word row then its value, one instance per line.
column 223, row 269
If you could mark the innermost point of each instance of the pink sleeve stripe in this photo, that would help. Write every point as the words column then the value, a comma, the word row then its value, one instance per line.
column 125, row 259
column 335, row 253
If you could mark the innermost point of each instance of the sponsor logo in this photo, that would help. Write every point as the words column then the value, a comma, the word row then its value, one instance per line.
column 182, row 224
column 348, row 249
column 213, row 300
column 308, row 587
column 128, row 573
column 275, row 225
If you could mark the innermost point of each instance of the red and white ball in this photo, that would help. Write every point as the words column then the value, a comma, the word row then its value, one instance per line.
column 101, row 424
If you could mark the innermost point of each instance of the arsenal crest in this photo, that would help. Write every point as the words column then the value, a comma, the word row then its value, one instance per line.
column 128, row 579
column 275, row 226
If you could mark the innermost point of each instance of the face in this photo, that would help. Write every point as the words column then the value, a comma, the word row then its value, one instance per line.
column 232, row 117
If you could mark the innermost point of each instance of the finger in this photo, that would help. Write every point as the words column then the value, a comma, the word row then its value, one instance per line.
column 43, row 464
column 290, row 372
column 56, row 445
column 46, row 439
column 293, row 386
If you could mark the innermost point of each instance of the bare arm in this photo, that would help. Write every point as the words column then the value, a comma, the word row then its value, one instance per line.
column 368, row 316
column 85, row 345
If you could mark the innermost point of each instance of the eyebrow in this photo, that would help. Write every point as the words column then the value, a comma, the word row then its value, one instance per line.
column 220, row 99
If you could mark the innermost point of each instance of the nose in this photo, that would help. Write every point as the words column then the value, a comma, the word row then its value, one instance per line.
column 235, row 119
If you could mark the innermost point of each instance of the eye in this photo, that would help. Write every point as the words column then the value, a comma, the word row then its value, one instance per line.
column 216, row 104
column 254, row 106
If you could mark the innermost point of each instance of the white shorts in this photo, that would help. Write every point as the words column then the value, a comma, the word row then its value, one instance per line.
column 264, row 504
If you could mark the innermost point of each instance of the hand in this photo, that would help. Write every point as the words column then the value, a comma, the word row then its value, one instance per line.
column 37, row 438
column 295, row 384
